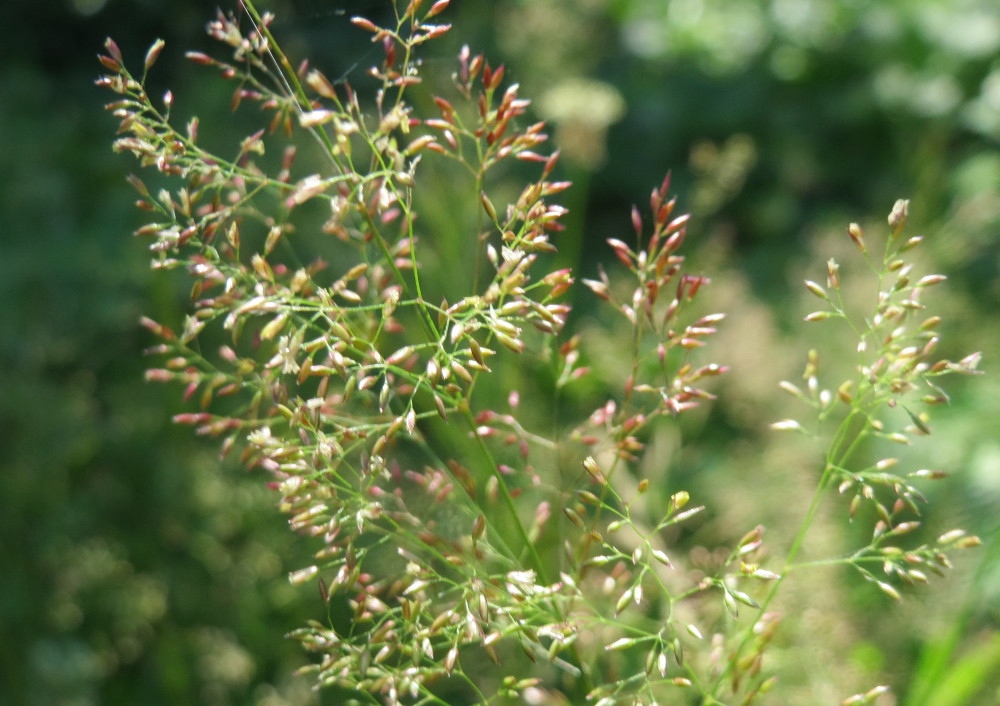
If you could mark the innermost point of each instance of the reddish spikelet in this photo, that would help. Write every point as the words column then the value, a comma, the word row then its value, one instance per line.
column 437, row 8
column 365, row 24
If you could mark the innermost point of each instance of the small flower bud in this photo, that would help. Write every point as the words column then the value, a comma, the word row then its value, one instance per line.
column 302, row 575
column 832, row 274
column 620, row 644
column 479, row 527
column 888, row 590
column 636, row 221
column 623, row 600
column 816, row 289
column 819, row 316
column 488, row 206
column 437, row 8
column 154, row 53
column 930, row 280
column 679, row 500
column 857, row 236
column 364, row 24
column 897, row 217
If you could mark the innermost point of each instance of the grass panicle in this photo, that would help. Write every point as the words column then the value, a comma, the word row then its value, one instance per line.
column 383, row 373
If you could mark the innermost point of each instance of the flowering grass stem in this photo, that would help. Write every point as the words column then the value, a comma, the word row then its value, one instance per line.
column 447, row 524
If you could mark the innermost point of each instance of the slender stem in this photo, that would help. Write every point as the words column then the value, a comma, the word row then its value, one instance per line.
column 536, row 561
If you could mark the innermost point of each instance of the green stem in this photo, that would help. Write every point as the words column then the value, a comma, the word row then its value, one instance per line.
column 536, row 561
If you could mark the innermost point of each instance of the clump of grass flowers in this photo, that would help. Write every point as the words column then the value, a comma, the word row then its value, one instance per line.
column 396, row 380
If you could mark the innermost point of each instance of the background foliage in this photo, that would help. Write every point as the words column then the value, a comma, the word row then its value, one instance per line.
column 135, row 572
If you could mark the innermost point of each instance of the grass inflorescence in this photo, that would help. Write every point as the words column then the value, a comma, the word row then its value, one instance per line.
column 363, row 358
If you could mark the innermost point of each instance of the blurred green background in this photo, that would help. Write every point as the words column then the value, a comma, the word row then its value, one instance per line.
column 134, row 571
